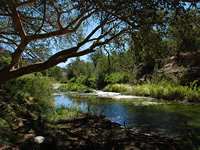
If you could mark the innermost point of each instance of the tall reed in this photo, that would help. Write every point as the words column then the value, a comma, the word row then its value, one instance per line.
column 161, row 90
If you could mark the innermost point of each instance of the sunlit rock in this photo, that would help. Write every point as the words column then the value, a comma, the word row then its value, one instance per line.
column 42, row 139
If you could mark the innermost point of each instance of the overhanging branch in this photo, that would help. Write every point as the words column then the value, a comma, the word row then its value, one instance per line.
column 57, row 58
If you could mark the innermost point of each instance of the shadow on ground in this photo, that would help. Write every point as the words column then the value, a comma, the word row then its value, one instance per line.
column 87, row 132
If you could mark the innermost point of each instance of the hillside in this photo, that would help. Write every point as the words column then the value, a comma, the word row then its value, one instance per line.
column 186, row 67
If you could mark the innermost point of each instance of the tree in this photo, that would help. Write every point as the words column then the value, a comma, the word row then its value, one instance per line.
column 75, row 68
column 148, row 45
column 34, row 28
column 56, row 73
column 184, row 36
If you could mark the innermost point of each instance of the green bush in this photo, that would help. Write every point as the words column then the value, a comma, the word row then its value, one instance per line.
column 74, row 87
column 33, row 86
column 83, row 79
column 116, row 78
column 191, row 141
column 118, row 88
column 92, row 82
column 63, row 113
column 87, row 81
column 4, row 61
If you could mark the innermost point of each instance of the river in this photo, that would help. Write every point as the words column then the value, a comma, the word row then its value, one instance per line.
column 144, row 114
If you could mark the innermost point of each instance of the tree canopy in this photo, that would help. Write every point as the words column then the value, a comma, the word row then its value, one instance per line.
column 51, row 31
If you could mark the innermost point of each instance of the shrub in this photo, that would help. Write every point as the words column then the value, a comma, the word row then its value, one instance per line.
column 87, row 81
column 63, row 113
column 74, row 87
column 116, row 78
column 35, row 86
column 122, row 88
column 191, row 141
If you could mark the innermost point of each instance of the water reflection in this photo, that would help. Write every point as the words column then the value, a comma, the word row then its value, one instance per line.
column 151, row 116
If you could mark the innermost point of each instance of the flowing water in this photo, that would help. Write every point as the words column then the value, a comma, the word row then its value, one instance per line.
column 144, row 114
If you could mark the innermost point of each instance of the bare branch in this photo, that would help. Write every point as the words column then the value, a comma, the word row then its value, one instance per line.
column 44, row 16
column 4, row 14
column 59, row 32
column 4, row 42
column 10, row 41
column 26, row 3
column 116, row 35
column 63, row 12
column 7, row 33
column 16, row 19
column 49, row 34
column 54, row 60
column 58, row 18
column 83, row 19
column 79, row 17
column 17, row 53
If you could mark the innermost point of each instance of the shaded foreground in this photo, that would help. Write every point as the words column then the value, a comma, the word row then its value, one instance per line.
column 88, row 132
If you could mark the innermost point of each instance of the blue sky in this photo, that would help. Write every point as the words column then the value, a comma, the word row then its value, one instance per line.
column 85, row 57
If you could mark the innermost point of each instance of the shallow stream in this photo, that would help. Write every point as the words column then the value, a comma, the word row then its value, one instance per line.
column 144, row 114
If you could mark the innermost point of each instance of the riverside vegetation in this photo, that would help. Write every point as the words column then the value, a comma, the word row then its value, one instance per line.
column 27, row 112
column 162, row 90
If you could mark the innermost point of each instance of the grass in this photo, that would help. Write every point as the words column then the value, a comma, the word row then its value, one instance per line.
column 63, row 113
column 118, row 88
column 162, row 90
column 74, row 87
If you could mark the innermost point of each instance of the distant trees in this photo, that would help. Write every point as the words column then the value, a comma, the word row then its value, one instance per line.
column 55, row 72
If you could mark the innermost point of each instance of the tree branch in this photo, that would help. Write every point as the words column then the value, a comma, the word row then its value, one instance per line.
column 58, row 18
column 54, row 60
column 59, row 32
column 16, row 19
column 26, row 3
column 10, row 41
column 79, row 17
column 4, row 14
column 17, row 53
column 7, row 33
column 49, row 34
column 44, row 16
column 82, row 19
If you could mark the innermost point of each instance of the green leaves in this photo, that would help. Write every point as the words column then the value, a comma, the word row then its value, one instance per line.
column 4, row 61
